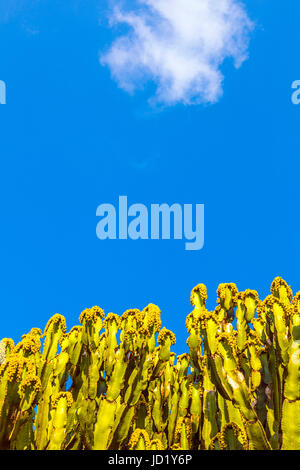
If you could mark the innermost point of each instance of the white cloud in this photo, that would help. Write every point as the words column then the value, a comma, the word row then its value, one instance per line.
column 178, row 44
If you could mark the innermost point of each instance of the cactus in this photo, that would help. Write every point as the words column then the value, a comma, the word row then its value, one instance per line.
column 113, row 382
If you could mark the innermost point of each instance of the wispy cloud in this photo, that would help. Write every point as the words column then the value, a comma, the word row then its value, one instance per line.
column 179, row 45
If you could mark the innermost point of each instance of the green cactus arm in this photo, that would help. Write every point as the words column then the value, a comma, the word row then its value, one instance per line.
column 198, row 298
column 54, row 330
column 226, row 299
column 183, row 433
column 184, row 396
column 116, row 382
column 281, row 290
column 251, row 300
column 111, row 325
column 214, row 443
column 241, row 322
column 231, row 437
column 61, row 402
column 74, row 344
column 104, row 424
column 23, row 438
column 292, row 380
column 139, row 379
column 234, row 414
column 12, row 372
column 174, row 411
column 123, row 423
column 290, row 425
column 92, row 321
column 152, row 321
column 165, row 339
column 218, row 376
column 241, row 395
column 156, row 444
column 196, row 406
column 93, row 376
column 21, row 434
column 276, row 386
column 157, row 407
column 256, row 436
column 137, row 382
column 139, row 440
column 42, row 419
column 143, row 417
column 209, row 425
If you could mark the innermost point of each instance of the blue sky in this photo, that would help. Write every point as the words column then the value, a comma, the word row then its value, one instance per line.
column 72, row 138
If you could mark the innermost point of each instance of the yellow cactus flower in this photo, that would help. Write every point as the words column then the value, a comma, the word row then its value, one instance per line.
column 139, row 440
column 57, row 321
column 280, row 289
column 62, row 396
column 164, row 335
column 199, row 296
